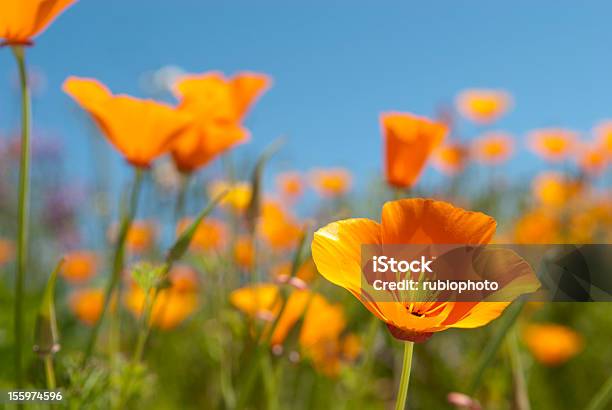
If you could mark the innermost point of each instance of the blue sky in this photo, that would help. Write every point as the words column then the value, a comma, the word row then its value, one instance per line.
column 336, row 65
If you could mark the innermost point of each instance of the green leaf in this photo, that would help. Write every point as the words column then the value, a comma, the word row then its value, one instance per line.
column 182, row 243
column 147, row 276
column 252, row 212
column 46, row 336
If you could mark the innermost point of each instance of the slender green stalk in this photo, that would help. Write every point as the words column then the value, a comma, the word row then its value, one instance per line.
column 518, row 373
column 402, row 393
column 179, row 209
column 176, row 252
column 398, row 193
column 118, row 259
column 505, row 324
column 370, row 339
column 143, row 332
column 603, row 396
column 22, row 217
column 50, row 372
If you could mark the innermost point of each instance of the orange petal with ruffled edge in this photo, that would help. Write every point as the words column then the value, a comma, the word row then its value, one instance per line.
column 426, row 221
column 336, row 250
column 198, row 145
column 141, row 130
column 409, row 141
column 22, row 20
column 248, row 87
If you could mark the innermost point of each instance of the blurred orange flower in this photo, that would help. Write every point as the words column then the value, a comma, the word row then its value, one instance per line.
column 260, row 300
column 592, row 159
column 87, row 304
column 290, row 185
column 483, row 106
column 218, row 104
column 493, row 148
column 552, row 144
column 552, row 344
column 280, row 229
column 336, row 250
column 409, row 141
column 7, row 251
column 173, row 305
column 450, row 158
column 554, row 189
column 306, row 272
column 238, row 194
column 79, row 266
column 211, row 234
column 320, row 335
column 184, row 279
column 603, row 134
column 263, row 301
column 244, row 253
column 331, row 182
column 141, row 236
column 22, row 20
column 537, row 226
column 141, row 130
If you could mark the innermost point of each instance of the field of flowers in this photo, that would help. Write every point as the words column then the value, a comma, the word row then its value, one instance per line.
column 221, row 290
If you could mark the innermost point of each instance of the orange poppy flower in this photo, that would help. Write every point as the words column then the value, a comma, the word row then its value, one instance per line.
column 218, row 104
column 583, row 226
column 483, row 106
column 7, row 251
column 140, row 237
column 554, row 189
column 409, row 141
column 211, row 234
column 280, row 229
column 537, row 226
column 183, row 279
column 603, row 133
column 552, row 144
column 493, row 148
column 331, row 182
column 79, row 266
column 237, row 197
column 320, row 336
column 173, row 305
column 141, row 130
column 450, row 158
column 244, row 253
column 592, row 159
column 306, row 272
column 22, row 20
column 336, row 250
column 263, row 302
column 552, row 344
column 87, row 305
column 290, row 185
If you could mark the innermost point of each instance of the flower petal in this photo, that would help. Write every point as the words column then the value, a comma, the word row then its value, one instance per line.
column 336, row 250
column 425, row 221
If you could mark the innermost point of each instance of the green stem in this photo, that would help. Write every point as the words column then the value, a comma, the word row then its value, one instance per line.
column 518, row 373
column 603, row 396
column 402, row 394
column 505, row 324
column 50, row 372
column 22, row 218
column 118, row 260
column 143, row 333
column 139, row 349
column 179, row 209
